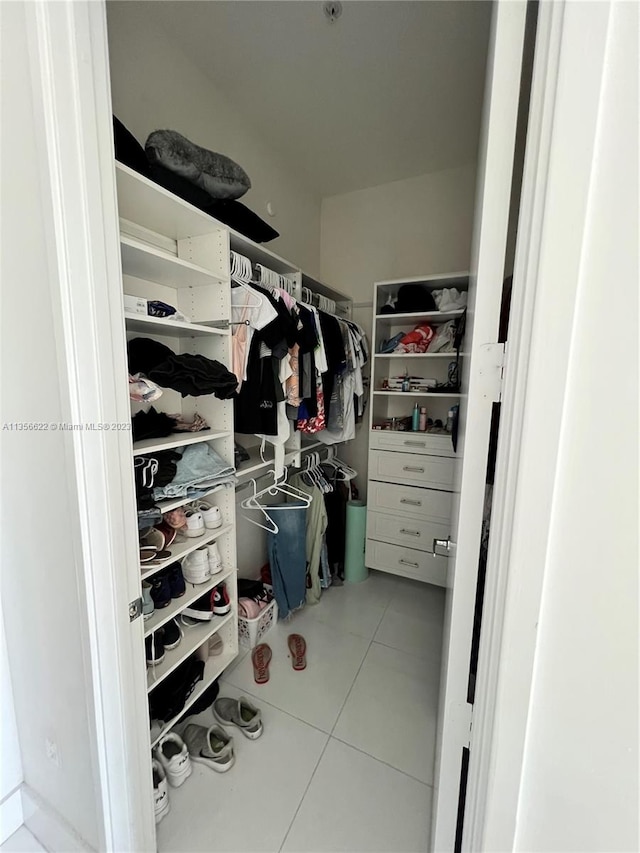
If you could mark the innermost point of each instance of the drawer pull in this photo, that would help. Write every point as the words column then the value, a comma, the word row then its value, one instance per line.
column 409, row 563
column 413, row 468
column 410, row 532
column 415, row 443
column 409, row 501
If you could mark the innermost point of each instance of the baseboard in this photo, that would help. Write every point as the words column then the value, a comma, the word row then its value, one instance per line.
column 10, row 815
column 50, row 828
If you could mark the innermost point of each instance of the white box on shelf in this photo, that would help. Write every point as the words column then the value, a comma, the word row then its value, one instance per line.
column 252, row 631
column 135, row 305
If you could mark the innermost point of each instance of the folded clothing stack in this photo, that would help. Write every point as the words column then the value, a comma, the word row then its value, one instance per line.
column 188, row 374
column 198, row 470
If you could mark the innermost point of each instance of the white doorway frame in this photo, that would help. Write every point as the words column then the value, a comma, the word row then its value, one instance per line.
column 70, row 69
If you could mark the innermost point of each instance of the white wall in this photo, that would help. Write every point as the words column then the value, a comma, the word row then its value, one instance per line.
column 40, row 593
column 406, row 228
column 580, row 777
column 11, row 765
column 156, row 86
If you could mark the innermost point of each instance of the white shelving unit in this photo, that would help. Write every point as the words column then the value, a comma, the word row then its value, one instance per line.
column 174, row 253
column 410, row 473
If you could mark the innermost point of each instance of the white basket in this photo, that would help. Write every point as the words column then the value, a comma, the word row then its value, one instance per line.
column 251, row 631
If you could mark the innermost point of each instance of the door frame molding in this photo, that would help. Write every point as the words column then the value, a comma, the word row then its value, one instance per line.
column 69, row 67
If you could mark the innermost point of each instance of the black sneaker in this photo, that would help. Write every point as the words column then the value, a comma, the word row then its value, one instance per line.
column 202, row 609
column 155, row 648
column 177, row 585
column 160, row 590
column 220, row 598
column 172, row 635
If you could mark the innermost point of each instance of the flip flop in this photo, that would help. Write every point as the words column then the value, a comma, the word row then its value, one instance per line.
column 298, row 648
column 260, row 658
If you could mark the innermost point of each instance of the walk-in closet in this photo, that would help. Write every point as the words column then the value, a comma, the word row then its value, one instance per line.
column 309, row 217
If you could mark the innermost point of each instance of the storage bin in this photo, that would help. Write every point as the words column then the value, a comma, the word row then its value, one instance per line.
column 252, row 631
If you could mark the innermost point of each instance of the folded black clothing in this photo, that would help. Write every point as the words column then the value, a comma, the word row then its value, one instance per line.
column 143, row 354
column 233, row 213
column 151, row 424
column 194, row 375
column 128, row 150
column 169, row 697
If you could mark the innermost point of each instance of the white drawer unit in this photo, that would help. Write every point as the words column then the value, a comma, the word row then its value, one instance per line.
column 411, row 532
column 433, row 471
column 410, row 501
column 412, row 442
column 408, row 562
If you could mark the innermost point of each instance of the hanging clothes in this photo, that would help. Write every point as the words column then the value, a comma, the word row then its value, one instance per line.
column 287, row 560
column 316, row 524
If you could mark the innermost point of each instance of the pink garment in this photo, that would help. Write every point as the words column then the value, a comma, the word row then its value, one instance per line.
column 292, row 385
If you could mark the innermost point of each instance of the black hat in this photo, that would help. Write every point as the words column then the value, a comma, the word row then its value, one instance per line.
column 413, row 298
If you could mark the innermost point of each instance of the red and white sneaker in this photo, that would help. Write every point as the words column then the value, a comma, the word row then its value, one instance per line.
column 221, row 602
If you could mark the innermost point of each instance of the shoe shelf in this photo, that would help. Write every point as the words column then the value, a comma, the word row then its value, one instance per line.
column 177, row 605
column 176, row 503
column 142, row 260
column 213, row 668
column 166, row 326
column 192, row 640
column 152, row 445
column 178, row 552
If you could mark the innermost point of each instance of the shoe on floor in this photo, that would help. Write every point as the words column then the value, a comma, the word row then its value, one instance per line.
column 213, row 747
column 241, row 713
column 220, row 598
column 172, row 635
column 161, row 804
column 173, row 755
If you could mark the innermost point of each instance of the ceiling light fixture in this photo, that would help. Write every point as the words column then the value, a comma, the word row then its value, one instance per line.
column 332, row 10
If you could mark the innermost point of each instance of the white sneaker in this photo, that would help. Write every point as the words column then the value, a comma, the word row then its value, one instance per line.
column 215, row 560
column 161, row 803
column 173, row 755
column 211, row 515
column 195, row 524
column 195, row 566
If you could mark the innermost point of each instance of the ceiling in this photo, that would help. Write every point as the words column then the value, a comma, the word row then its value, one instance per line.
column 391, row 90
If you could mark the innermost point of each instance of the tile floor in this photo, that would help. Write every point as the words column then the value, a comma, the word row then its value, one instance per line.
column 346, row 759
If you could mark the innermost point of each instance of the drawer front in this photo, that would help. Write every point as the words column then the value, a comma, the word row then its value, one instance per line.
column 435, row 471
column 410, row 502
column 411, row 442
column 408, row 532
column 407, row 562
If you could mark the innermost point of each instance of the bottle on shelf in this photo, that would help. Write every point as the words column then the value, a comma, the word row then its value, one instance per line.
column 406, row 382
column 423, row 419
column 415, row 418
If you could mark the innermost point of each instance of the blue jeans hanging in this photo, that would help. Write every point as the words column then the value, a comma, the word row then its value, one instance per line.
column 287, row 557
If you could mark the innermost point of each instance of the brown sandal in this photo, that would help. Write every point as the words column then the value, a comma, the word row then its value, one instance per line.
column 260, row 658
column 298, row 649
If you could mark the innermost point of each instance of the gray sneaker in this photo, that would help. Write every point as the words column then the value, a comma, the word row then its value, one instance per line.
column 241, row 713
column 212, row 746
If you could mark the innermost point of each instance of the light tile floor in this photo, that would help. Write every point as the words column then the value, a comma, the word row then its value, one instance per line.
column 346, row 759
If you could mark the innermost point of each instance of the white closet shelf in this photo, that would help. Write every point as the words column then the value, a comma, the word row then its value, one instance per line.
column 448, row 355
column 184, row 548
column 193, row 593
column 213, row 668
column 174, row 328
column 146, row 203
column 142, row 260
column 419, row 317
column 414, row 394
column 151, row 445
column 176, row 503
column 192, row 640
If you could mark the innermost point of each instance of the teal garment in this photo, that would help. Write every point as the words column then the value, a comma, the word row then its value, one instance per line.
column 316, row 527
